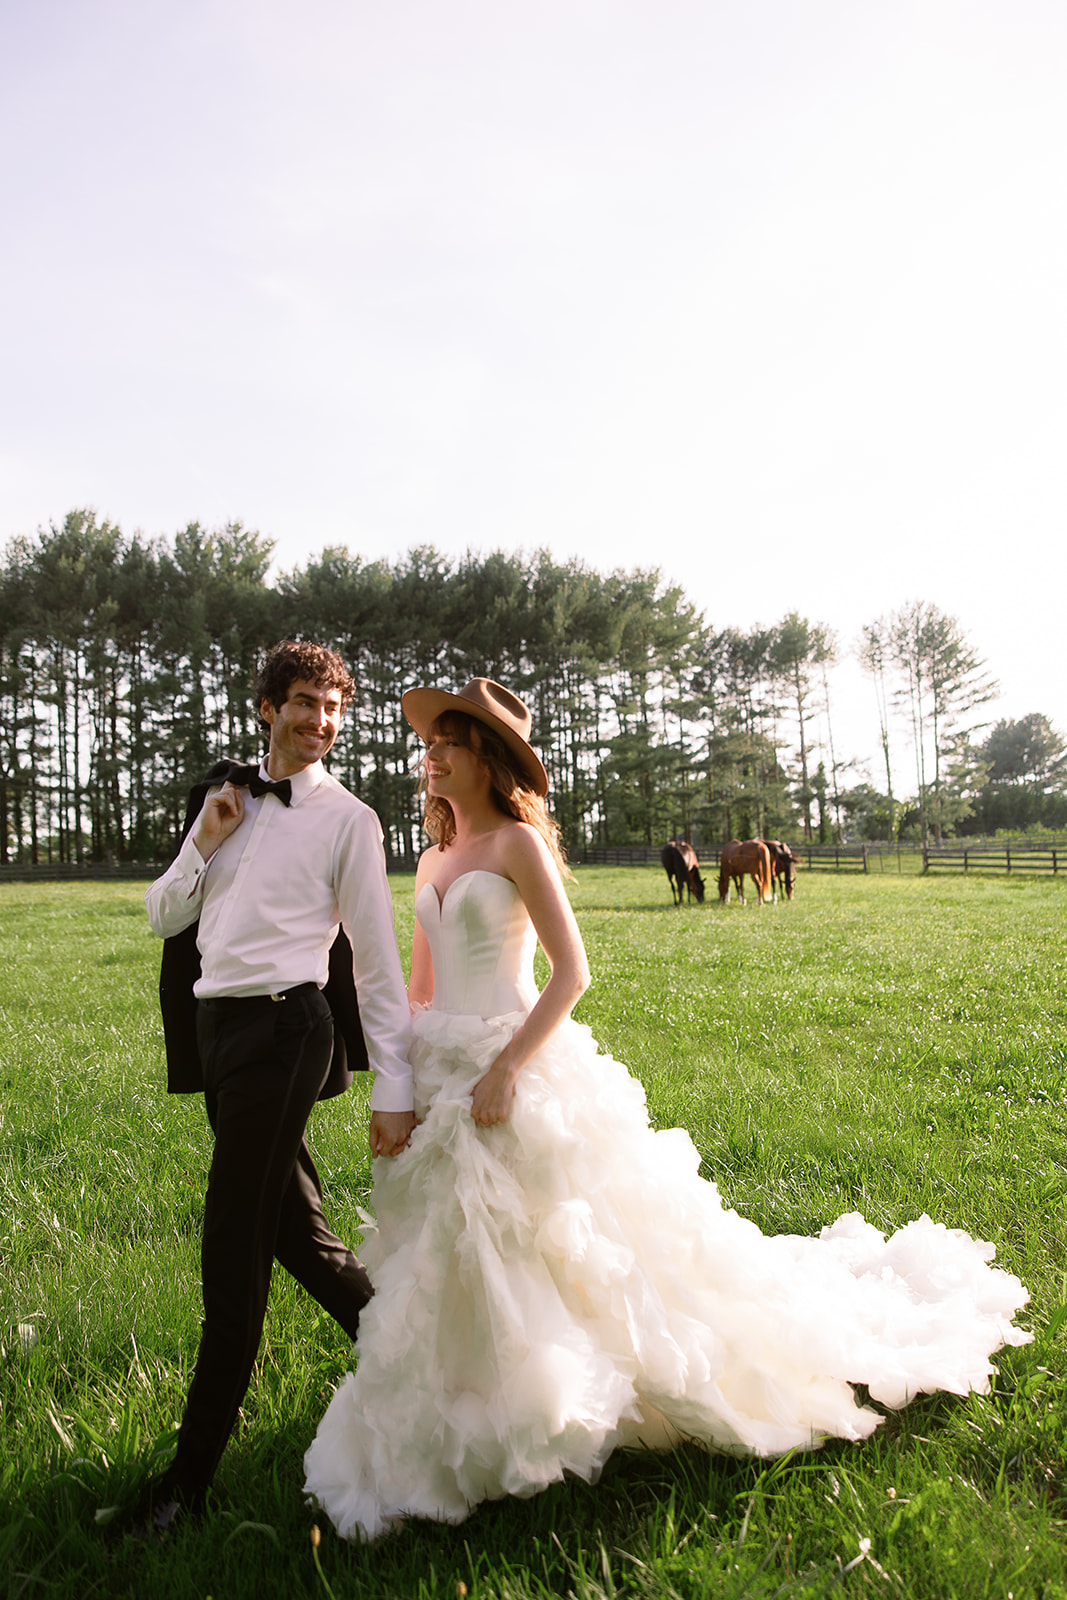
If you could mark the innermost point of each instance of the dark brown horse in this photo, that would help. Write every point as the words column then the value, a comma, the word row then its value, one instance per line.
column 752, row 857
column 783, row 866
column 683, row 870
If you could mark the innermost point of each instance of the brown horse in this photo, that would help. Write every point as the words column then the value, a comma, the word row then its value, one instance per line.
column 752, row 857
column 783, row 867
column 683, row 871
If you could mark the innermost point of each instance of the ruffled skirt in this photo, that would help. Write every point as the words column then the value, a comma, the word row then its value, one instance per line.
column 565, row 1283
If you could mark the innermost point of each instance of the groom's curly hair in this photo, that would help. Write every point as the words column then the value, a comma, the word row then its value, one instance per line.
column 291, row 659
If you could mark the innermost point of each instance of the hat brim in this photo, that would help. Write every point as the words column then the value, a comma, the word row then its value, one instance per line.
column 422, row 707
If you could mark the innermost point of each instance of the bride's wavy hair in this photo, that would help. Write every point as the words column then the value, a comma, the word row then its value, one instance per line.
column 510, row 787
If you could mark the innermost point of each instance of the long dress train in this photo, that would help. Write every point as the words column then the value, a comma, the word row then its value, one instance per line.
column 565, row 1283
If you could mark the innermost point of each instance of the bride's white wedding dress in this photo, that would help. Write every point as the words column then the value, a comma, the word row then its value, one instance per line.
column 565, row 1283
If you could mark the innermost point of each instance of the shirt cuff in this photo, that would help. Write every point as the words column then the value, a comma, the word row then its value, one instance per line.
column 392, row 1094
column 190, row 865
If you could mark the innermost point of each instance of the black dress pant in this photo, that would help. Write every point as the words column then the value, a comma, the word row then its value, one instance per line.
column 264, row 1061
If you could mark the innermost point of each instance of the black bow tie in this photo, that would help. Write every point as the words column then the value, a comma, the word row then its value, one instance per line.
column 249, row 778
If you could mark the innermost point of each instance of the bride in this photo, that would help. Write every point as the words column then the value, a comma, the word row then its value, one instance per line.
column 552, row 1277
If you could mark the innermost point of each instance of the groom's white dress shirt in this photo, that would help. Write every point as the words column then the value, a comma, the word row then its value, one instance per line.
column 269, row 902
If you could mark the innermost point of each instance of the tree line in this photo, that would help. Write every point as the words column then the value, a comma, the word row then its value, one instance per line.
column 126, row 664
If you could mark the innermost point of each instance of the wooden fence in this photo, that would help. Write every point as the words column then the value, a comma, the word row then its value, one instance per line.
column 984, row 855
column 622, row 855
column 817, row 857
column 144, row 871
column 80, row 872
column 834, row 857
column 981, row 856
column 994, row 858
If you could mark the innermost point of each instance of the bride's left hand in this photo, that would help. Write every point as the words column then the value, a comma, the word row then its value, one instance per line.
column 492, row 1095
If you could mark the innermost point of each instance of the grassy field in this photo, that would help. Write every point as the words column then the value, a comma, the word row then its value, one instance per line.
column 888, row 1044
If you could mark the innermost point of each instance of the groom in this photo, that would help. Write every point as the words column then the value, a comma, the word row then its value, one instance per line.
column 277, row 857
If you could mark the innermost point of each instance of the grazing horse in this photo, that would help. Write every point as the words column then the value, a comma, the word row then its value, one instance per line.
column 737, row 859
column 683, row 871
column 783, row 866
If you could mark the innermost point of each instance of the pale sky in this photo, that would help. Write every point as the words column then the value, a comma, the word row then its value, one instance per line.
column 768, row 294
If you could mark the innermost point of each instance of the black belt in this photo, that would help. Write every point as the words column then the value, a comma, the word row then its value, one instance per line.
column 258, row 999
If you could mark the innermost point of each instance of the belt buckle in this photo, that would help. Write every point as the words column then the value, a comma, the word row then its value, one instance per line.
column 277, row 997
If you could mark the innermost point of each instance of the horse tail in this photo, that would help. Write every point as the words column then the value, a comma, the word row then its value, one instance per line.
column 764, row 883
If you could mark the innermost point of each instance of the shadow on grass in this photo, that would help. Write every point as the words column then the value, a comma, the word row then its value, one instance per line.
column 654, row 1524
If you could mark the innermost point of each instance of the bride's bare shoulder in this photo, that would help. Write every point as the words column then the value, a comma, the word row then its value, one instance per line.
column 519, row 847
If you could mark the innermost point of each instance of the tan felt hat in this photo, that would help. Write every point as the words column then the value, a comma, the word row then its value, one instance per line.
column 490, row 703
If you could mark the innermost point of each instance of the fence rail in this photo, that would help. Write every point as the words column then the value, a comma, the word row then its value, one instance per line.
column 834, row 857
column 622, row 855
column 983, row 855
column 83, row 872
column 144, row 871
column 816, row 857
column 994, row 858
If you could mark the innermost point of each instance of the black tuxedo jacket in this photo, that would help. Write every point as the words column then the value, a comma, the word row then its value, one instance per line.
column 180, row 969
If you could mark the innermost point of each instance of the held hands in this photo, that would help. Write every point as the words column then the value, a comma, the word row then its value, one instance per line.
column 221, row 814
column 390, row 1132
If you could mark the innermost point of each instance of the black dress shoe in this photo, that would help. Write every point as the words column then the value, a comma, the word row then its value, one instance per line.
column 162, row 1506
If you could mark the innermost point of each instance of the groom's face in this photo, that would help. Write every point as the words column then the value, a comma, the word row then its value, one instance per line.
column 303, row 729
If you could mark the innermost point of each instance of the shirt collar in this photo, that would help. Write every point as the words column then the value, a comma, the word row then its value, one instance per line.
column 302, row 783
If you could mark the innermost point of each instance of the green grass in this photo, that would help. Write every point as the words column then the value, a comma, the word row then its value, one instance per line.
column 887, row 1044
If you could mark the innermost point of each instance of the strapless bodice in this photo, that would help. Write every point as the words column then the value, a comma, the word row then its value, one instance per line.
column 482, row 945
